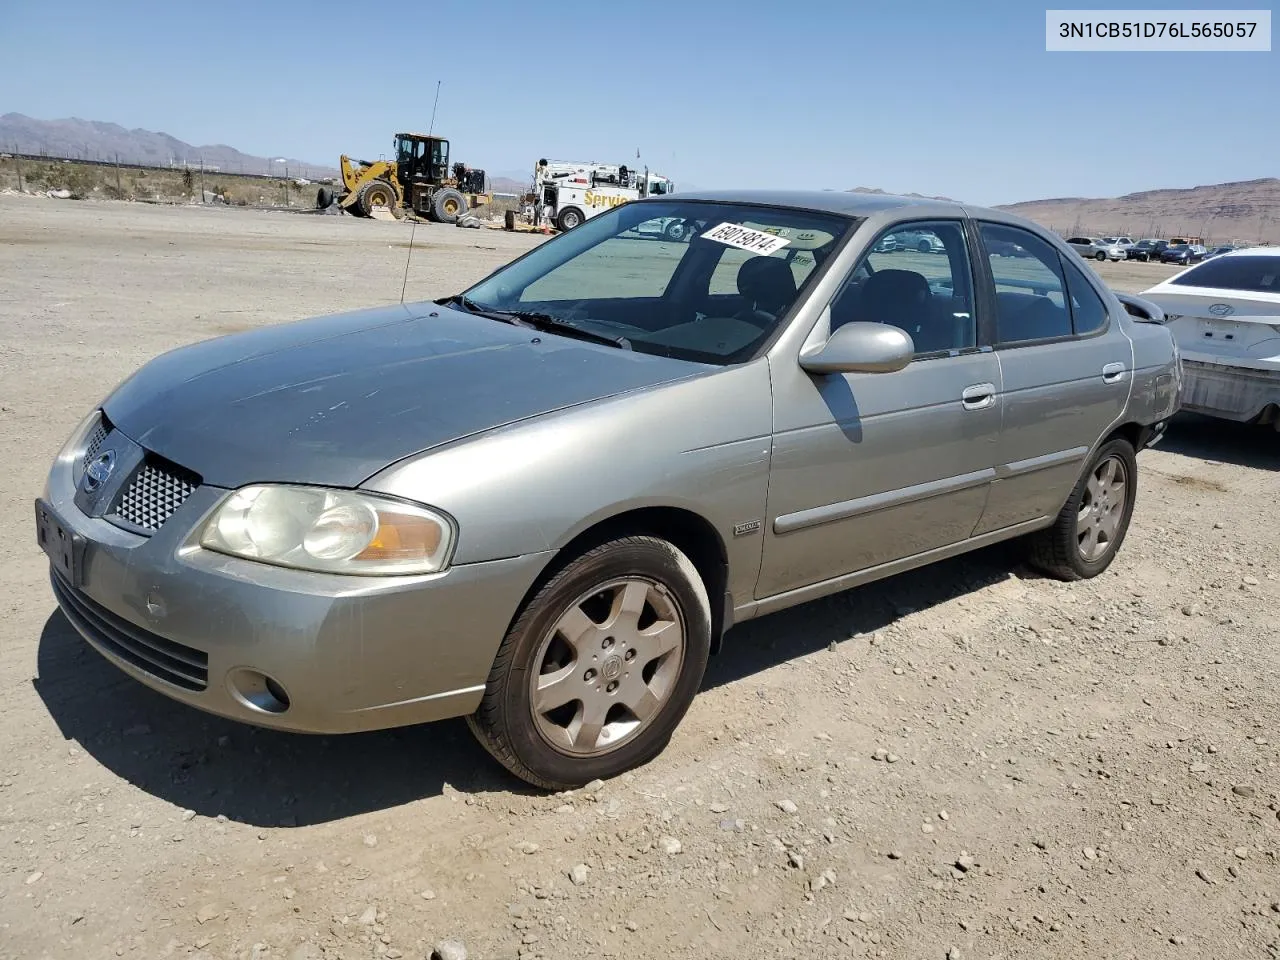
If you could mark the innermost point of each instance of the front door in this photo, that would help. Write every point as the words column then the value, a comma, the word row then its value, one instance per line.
column 872, row 468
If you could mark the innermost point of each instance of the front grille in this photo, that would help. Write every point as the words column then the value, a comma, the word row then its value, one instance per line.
column 157, row 490
column 163, row 659
column 96, row 436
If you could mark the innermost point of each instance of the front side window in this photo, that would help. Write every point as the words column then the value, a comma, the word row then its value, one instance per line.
column 1030, row 299
column 917, row 278
column 716, row 298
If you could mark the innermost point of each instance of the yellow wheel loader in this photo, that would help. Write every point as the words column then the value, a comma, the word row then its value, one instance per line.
column 419, row 180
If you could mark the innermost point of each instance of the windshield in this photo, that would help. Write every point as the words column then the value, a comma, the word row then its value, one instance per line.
column 700, row 281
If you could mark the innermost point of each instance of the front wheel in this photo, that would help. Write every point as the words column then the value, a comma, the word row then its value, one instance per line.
column 1100, row 255
column 568, row 219
column 676, row 231
column 375, row 195
column 1092, row 523
column 599, row 667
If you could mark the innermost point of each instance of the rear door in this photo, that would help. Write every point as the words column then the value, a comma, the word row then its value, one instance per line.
column 1066, row 367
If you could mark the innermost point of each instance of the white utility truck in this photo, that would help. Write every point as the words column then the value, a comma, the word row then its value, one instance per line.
column 567, row 193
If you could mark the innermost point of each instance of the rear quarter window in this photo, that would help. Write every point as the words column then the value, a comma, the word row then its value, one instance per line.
column 1247, row 274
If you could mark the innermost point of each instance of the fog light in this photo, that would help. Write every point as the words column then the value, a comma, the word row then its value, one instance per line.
column 257, row 691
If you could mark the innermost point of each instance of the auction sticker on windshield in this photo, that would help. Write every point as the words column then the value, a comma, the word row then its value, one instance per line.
column 744, row 238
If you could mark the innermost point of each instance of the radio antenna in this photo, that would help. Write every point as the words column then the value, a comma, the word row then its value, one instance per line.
column 432, row 128
column 405, row 283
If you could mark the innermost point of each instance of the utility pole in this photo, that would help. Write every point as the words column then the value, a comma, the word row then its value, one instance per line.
column 119, row 190
column 202, row 178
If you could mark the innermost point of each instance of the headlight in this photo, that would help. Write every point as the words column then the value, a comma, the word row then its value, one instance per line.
column 75, row 443
column 331, row 531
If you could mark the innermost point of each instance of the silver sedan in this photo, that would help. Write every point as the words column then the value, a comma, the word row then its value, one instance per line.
column 541, row 503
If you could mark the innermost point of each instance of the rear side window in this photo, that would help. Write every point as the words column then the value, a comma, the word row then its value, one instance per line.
column 1088, row 312
column 1031, row 302
column 1249, row 274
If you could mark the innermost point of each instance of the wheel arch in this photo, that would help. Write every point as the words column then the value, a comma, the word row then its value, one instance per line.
column 1136, row 433
column 689, row 532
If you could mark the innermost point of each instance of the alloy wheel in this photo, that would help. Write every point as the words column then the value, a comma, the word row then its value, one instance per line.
column 1102, row 508
column 607, row 666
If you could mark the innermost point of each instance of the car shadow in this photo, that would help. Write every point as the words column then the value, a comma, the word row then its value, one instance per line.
column 270, row 778
column 765, row 642
column 248, row 774
column 1225, row 441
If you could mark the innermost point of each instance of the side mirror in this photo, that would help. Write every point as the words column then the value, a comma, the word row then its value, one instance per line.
column 861, row 348
column 1141, row 310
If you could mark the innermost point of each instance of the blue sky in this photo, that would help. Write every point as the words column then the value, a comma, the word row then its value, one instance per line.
column 951, row 98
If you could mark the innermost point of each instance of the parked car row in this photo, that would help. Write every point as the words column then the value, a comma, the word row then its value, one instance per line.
column 1176, row 250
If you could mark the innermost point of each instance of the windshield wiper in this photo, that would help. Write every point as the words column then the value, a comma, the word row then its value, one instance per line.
column 544, row 321
column 538, row 321
column 501, row 315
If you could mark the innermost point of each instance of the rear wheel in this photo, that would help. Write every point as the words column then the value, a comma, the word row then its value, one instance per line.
column 1100, row 255
column 448, row 205
column 599, row 667
column 1092, row 523
column 924, row 246
column 376, row 195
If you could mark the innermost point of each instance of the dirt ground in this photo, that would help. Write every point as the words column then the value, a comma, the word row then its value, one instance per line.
column 1083, row 770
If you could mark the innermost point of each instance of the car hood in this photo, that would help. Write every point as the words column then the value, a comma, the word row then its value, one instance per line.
column 335, row 399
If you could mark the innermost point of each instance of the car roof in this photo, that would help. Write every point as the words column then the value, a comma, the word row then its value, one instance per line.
column 1253, row 252
column 855, row 204
column 828, row 201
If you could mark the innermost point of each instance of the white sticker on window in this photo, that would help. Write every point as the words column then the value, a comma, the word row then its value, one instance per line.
column 744, row 238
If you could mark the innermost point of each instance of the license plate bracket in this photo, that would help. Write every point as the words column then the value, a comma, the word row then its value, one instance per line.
column 64, row 547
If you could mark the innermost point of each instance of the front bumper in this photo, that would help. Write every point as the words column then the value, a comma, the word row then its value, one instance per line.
column 1226, row 391
column 348, row 653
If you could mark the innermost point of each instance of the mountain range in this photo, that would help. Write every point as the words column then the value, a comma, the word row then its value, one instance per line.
column 96, row 140
column 1247, row 210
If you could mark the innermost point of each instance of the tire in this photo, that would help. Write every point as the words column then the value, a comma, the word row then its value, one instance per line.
column 375, row 194
column 448, row 205
column 675, row 231
column 549, row 748
column 924, row 246
column 509, row 220
column 1100, row 255
column 324, row 198
column 1061, row 550
column 569, row 218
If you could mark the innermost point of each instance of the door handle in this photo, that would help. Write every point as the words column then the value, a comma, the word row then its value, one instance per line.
column 979, row 396
column 1113, row 372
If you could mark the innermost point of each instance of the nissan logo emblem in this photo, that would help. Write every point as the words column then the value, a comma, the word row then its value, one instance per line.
column 1222, row 310
column 99, row 470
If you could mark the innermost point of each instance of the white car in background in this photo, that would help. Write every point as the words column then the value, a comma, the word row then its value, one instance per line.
column 1224, row 314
